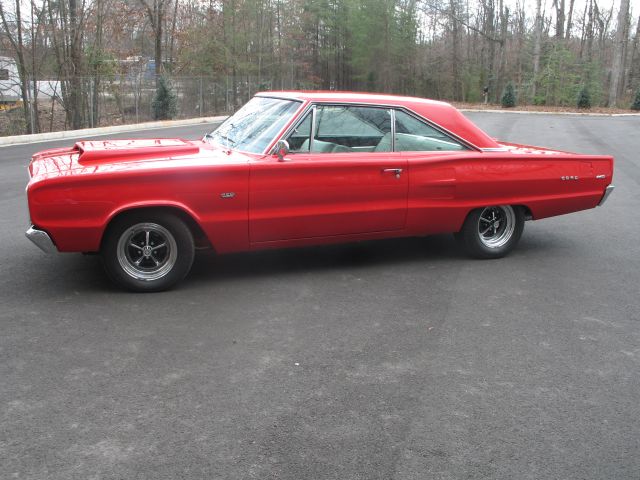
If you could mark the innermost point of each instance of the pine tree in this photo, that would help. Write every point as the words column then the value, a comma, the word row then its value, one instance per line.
column 584, row 98
column 165, row 101
column 636, row 103
column 509, row 96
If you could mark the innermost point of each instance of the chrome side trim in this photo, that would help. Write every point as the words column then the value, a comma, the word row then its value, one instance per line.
column 607, row 192
column 494, row 149
column 41, row 239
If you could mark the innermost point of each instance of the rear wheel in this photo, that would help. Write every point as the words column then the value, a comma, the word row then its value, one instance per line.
column 492, row 232
column 147, row 251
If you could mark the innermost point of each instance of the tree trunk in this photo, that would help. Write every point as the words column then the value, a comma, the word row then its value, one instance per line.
column 75, row 58
column 634, row 69
column 35, row 24
column 617, row 67
column 569, row 20
column 18, row 45
column 455, row 60
column 559, row 4
column 157, row 5
column 155, row 13
column 537, row 45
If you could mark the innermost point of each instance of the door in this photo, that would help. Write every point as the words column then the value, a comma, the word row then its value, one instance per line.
column 340, row 178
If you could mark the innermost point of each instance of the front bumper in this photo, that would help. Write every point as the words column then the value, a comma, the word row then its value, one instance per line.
column 607, row 192
column 41, row 239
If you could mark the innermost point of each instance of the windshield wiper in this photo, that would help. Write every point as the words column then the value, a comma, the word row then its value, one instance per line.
column 228, row 141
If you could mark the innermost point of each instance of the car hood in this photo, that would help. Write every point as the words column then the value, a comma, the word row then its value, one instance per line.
column 94, row 157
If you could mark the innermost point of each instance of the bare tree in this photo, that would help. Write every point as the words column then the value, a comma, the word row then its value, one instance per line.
column 66, row 22
column 537, row 45
column 156, row 10
column 633, row 79
column 559, row 4
column 617, row 68
column 15, row 37
column 569, row 20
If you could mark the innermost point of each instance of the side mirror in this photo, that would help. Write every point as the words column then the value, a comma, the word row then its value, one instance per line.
column 282, row 149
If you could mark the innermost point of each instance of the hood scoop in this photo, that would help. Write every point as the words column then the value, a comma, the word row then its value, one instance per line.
column 109, row 151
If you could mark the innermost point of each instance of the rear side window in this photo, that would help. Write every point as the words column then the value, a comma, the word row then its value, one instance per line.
column 413, row 135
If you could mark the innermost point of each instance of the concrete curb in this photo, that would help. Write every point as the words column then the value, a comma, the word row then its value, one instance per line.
column 90, row 132
column 522, row 112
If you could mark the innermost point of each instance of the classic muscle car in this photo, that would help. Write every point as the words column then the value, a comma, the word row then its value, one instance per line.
column 301, row 168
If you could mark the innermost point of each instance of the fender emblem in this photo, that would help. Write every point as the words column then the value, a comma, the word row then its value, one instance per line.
column 569, row 177
column 228, row 194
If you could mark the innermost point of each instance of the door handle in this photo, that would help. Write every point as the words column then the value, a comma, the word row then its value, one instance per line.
column 395, row 171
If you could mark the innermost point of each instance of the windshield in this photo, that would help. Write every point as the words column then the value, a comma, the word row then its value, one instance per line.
column 255, row 125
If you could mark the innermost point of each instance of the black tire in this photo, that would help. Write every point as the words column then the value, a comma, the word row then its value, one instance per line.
column 491, row 232
column 147, row 251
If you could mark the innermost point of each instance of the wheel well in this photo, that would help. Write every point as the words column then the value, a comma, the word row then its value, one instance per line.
column 199, row 237
column 527, row 212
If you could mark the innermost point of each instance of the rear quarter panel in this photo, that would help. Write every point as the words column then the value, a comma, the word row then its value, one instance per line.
column 445, row 186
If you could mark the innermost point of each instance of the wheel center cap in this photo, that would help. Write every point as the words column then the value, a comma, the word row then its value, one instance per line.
column 146, row 251
column 496, row 225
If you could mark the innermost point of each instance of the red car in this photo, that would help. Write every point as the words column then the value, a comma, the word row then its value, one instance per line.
column 299, row 168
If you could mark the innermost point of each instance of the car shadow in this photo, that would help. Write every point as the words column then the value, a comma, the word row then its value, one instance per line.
column 84, row 273
column 358, row 255
column 367, row 254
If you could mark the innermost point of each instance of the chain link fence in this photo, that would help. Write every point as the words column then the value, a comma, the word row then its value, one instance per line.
column 119, row 100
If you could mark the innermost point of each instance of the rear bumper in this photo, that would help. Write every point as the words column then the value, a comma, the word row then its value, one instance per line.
column 607, row 192
column 41, row 239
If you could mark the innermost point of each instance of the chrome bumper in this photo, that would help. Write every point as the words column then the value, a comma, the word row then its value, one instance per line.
column 607, row 192
column 41, row 239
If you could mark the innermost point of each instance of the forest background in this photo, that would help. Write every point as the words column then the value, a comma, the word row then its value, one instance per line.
column 84, row 63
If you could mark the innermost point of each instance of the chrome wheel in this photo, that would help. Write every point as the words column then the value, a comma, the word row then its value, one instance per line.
column 496, row 226
column 147, row 251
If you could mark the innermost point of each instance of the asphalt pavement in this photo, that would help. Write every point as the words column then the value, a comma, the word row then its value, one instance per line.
column 398, row 359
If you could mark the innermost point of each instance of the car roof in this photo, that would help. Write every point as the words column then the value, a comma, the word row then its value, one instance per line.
column 440, row 113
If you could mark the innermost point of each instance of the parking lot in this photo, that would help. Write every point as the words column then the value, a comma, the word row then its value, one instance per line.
column 396, row 359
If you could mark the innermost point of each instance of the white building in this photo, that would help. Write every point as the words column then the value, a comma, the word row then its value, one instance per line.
column 9, row 80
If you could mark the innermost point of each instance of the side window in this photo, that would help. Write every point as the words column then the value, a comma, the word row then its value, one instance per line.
column 343, row 129
column 299, row 138
column 350, row 129
column 413, row 135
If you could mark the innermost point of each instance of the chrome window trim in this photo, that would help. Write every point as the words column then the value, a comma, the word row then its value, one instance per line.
column 302, row 114
column 393, row 129
column 392, row 108
column 279, row 97
column 312, row 134
column 494, row 149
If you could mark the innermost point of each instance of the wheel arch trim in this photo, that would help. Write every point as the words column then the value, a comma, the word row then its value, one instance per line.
column 185, row 213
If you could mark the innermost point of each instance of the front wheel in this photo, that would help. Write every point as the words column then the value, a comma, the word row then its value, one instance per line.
column 147, row 252
column 492, row 232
